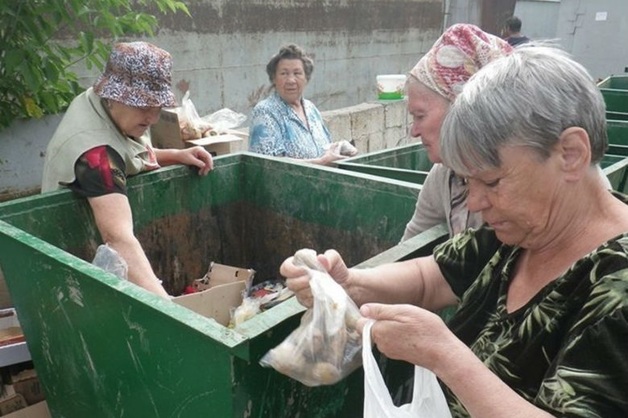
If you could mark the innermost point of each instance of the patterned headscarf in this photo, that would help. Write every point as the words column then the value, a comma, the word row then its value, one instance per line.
column 137, row 74
column 458, row 54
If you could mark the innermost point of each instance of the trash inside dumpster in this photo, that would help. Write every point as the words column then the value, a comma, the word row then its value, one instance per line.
column 104, row 347
column 407, row 163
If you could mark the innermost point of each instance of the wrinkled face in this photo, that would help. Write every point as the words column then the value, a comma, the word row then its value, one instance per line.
column 133, row 121
column 428, row 110
column 290, row 80
column 520, row 200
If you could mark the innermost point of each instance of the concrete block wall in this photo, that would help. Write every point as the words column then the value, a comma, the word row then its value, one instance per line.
column 373, row 126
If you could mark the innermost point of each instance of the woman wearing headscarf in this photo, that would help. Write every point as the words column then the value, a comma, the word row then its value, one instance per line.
column 433, row 85
column 103, row 138
column 541, row 326
column 285, row 124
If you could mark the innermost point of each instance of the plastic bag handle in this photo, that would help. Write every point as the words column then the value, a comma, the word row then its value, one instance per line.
column 379, row 402
column 428, row 399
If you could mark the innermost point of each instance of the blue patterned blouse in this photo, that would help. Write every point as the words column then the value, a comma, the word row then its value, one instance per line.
column 277, row 130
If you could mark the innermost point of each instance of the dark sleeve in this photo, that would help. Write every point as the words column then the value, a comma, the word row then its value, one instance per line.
column 99, row 171
column 464, row 256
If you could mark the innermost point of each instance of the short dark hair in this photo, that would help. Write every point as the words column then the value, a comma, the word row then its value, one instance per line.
column 513, row 24
column 290, row 52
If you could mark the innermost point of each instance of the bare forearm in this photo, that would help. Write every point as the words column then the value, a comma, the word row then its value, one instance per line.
column 140, row 271
column 416, row 282
column 167, row 157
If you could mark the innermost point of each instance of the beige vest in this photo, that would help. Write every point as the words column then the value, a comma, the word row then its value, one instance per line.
column 86, row 125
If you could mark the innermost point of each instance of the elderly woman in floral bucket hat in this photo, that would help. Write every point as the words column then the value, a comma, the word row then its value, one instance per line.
column 103, row 139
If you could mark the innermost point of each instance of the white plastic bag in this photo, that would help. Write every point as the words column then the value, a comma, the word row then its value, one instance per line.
column 428, row 400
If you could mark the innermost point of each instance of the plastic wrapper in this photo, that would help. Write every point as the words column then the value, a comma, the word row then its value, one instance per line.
column 258, row 298
column 343, row 148
column 325, row 347
column 109, row 260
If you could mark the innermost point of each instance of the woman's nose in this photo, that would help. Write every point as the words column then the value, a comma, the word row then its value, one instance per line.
column 477, row 200
column 415, row 131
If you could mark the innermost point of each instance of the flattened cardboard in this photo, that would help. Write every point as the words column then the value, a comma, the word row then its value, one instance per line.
column 166, row 133
column 218, row 274
column 226, row 285
column 216, row 302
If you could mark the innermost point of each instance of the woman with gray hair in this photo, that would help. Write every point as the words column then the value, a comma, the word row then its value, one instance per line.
column 285, row 124
column 541, row 323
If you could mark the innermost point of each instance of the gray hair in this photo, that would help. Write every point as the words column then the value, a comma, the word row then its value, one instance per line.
column 525, row 99
column 290, row 52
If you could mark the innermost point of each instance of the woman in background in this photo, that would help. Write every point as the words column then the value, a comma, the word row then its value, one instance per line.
column 285, row 124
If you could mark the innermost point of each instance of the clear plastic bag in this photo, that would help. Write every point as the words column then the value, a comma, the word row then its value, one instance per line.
column 325, row 347
column 428, row 400
column 109, row 260
column 225, row 119
column 195, row 127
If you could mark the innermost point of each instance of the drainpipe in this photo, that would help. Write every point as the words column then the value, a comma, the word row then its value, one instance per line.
column 446, row 13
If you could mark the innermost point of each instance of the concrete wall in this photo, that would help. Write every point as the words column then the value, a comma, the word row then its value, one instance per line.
column 592, row 31
column 221, row 51
column 539, row 18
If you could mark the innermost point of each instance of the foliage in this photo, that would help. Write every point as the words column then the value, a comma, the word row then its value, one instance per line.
column 40, row 40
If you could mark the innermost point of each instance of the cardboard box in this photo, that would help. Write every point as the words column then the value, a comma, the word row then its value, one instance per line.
column 10, row 330
column 222, row 290
column 167, row 134
column 26, row 383
column 12, row 403
column 39, row 410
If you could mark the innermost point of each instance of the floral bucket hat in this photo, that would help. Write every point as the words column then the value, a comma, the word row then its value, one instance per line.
column 137, row 74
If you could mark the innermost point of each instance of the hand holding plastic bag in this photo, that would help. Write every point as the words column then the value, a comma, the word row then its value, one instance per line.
column 326, row 346
column 428, row 400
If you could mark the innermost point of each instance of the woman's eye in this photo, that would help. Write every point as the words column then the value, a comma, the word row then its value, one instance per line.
column 492, row 183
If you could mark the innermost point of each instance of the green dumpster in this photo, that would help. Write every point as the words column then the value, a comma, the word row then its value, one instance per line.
column 617, row 131
column 615, row 167
column 618, row 82
column 615, row 91
column 610, row 115
column 103, row 347
column 407, row 163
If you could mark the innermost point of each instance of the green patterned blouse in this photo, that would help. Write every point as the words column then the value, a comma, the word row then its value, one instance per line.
column 566, row 350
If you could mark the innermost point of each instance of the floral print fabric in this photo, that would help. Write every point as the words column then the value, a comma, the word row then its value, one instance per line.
column 278, row 131
column 564, row 351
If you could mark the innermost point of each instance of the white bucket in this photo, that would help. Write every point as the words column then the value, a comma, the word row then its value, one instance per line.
column 390, row 86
